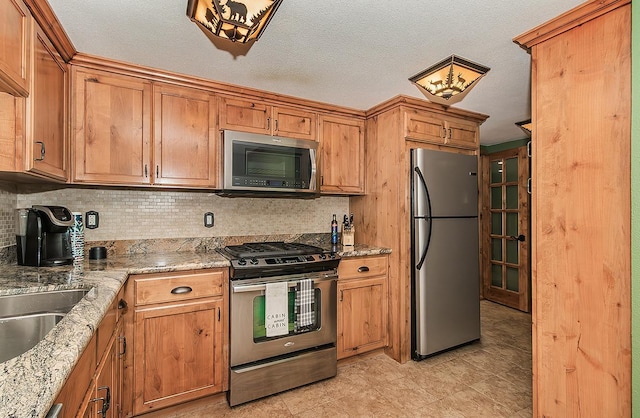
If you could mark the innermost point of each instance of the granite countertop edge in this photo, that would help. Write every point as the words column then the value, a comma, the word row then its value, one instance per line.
column 30, row 382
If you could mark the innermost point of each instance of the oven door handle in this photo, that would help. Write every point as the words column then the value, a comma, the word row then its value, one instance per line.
column 242, row 288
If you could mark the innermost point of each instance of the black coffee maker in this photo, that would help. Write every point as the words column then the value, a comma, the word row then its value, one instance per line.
column 43, row 236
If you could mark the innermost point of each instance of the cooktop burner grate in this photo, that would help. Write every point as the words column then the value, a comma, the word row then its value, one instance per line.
column 271, row 249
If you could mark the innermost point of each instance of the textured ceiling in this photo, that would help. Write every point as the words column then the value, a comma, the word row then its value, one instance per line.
column 350, row 53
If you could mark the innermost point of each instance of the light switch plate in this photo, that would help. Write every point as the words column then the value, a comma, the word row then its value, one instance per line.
column 91, row 219
column 208, row 219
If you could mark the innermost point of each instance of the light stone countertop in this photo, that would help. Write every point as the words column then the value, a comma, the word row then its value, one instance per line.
column 30, row 382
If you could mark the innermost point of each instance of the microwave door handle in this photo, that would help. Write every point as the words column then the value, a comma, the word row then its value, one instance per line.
column 313, row 184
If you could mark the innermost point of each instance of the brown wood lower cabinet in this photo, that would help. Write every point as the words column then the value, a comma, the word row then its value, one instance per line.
column 95, row 382
column 362, row 304
column 178, row 334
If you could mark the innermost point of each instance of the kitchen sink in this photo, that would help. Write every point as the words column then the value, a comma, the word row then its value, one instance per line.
column 26, row 319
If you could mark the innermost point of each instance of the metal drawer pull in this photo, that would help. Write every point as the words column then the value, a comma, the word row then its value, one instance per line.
column 41, row 151
column 363, row 269
column 181, row 290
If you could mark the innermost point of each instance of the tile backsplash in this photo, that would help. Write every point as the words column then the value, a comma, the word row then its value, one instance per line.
column 8, row 202
column 146, row 214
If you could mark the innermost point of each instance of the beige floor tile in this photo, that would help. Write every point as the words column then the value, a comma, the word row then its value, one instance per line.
column 515, row 397
column 489, row 378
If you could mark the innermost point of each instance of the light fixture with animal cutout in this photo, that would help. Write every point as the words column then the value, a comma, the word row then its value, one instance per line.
column 449, row 80
column 238, row 21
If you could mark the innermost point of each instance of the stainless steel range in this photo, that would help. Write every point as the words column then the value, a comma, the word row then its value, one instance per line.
column 283, row 317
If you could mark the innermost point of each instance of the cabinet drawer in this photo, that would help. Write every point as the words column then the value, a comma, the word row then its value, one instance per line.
column 362, row 267
column 172, row 287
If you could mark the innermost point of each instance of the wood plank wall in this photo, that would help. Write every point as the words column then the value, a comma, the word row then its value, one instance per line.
column 581, row 212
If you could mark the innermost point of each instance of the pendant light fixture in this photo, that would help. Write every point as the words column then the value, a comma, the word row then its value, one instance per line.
column 237, row 21
column 449, row 80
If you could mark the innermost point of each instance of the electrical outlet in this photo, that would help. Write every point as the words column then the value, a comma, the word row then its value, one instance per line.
column 208, row 219
column 91, row 219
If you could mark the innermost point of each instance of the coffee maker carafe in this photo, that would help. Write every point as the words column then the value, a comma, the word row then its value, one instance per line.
column 42, row 236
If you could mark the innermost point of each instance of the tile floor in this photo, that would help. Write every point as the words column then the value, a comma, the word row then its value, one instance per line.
column 490, row 378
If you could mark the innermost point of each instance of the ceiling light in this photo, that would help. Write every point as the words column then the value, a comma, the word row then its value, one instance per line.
column 525, row 125
column 448, row 81
column 237, row 21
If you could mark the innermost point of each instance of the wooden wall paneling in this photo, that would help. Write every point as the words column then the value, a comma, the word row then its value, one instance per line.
column 378, row 222
column 581, row 213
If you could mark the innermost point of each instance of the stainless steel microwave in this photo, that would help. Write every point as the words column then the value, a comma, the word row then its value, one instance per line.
column 263, row 164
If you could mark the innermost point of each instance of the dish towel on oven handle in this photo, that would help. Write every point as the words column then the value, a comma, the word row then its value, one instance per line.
column 276, row 312
column 305, row 312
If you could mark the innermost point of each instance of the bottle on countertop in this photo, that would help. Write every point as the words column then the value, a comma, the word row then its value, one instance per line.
column 334, row 230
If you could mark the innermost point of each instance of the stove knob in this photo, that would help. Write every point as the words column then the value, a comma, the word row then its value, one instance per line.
column 242, row 262
column 322, row 256
column 332, row 255
column 253, row 261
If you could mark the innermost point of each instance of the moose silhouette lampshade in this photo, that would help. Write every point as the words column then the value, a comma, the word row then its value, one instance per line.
column 449, row 80
column 237, row 21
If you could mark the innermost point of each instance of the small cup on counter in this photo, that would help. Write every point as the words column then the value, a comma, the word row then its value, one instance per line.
column 97, row 253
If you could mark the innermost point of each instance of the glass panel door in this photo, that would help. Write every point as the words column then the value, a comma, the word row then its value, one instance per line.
column 505, row 229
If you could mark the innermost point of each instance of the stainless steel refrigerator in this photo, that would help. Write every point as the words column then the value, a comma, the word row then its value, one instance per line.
column 445, row 251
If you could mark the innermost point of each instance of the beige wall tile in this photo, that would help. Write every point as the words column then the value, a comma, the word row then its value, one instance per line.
column 7, row 228
column 144, row 214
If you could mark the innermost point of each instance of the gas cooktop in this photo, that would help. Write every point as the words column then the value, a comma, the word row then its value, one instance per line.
column 260, row 259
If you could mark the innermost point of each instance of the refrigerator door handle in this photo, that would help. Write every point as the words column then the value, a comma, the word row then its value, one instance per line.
column 423, row 256
column 426, row 193
column 427, row 216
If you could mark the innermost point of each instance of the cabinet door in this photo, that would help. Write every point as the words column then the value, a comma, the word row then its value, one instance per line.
column 244, row 115
column 74, row 394
column 420, row 126
column 295, row 123
column 184, row 145
column 341, row 155
column 178, row 353
column 15, row 48
column 106, row 395
column 460, row 133
column 46, row 150
column 362, row 315
column 112, row 128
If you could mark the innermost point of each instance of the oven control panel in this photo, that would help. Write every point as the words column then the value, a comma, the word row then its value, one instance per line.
column 251, row 267
column 271, row 261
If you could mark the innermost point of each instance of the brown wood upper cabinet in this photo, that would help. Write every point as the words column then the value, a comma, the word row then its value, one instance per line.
column 111, row 121
column 113, row 143
column 263, row 118
column 432, row 128
column 33, row 130
column 16, row 35
column 184, row 140
column 341, row 155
